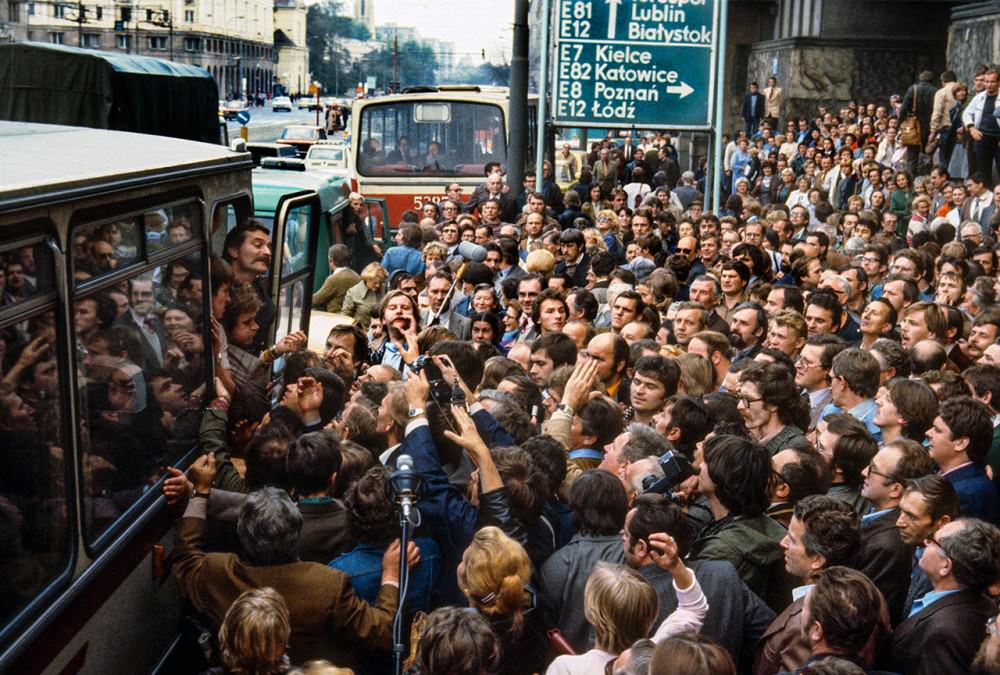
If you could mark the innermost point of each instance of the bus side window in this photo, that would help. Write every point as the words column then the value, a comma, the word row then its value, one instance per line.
column 34, row 527
column 224, row 219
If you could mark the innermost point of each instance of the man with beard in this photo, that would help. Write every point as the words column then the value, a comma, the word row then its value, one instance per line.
column 748, row 329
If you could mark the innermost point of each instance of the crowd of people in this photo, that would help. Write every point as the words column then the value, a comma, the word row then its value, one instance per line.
column 653, row 438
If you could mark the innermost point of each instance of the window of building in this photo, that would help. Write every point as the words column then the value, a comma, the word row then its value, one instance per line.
column 192, row 44
column 98, row 12
column 158, row 42
column 124, row 42
column 91, row 41
column 14, row 11
column 59, row 12
column 57, row 38
column 31, row 8
column 189, row 15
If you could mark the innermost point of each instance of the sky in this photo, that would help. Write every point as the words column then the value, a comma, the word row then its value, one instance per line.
column 472, row 25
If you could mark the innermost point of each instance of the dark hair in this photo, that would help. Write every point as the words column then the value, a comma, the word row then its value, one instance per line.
column 549, row 456
column 463, row 356
column 827, row 299
column 807, row 475
column 559, row 347
column 694, row 420
column 548, row 294
column 602, row 263
column 859, row 369
column 984, row 379
column 968, row 418
column 894, row 356
column 524, row 483
column 239, row 234
column 777, row 387
column 515, row 420
column 586, row 302
column 847, row 605
column 792, row 298
column 601, row 418
column 741, row 471
column 371, row 514
column 854, row 448
column 333, row 393
column 493, row 321
column 312, row 460
column 599, row 503
column 938, row 492
column 655, row 513
column 832, row 528
column 663, row 370
column 916, row 404
column 456, row 641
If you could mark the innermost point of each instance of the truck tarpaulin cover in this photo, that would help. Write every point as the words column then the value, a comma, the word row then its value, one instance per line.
column 55, row 84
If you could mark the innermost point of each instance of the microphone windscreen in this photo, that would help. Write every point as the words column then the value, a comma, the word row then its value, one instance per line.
column 471, row 252
column 404, row 463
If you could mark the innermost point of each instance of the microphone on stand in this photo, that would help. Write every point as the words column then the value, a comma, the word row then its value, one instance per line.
column 406, row 485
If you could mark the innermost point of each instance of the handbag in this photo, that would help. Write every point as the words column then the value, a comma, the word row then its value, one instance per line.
column 909, row 128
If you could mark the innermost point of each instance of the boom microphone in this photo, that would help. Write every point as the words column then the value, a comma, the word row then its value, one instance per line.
column 471, row 252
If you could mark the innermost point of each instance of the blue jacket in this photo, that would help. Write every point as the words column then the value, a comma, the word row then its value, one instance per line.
column 446, row 513
column 403, row 258
column 977, row 495
column 364, row 566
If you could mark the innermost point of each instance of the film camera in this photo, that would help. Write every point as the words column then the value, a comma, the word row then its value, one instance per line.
column 676, row 469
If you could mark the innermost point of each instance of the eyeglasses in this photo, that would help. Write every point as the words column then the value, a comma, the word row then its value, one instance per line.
column 748, row 401
column 872, row 471
column 931, row 540
column 870, row 259
column 991, row 626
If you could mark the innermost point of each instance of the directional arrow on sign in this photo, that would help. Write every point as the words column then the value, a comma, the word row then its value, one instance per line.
column 683, row 89
column 612, row 17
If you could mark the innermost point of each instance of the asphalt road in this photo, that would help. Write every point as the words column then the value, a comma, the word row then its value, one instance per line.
column 265, row 125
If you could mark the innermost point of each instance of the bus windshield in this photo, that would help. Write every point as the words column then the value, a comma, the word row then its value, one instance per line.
column 441, row 138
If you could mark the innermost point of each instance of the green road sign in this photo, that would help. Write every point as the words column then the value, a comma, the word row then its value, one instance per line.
column 642, row 63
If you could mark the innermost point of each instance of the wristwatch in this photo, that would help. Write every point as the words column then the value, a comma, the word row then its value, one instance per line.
column 566, row 408
column 416, row 412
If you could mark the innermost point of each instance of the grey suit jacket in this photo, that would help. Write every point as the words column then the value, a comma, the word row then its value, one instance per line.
column 460, row 325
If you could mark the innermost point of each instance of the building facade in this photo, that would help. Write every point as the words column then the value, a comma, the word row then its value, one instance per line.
column 233, row 39
column 292, row 67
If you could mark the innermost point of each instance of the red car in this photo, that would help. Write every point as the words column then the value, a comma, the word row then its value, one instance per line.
column 302, row 137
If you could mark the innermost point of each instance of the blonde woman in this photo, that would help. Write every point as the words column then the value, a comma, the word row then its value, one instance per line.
column 593, row 240
column 364, row 297
column 609, row 226
column 434, row 251
column 621, row 606
column 494, row 575
column 254, row 634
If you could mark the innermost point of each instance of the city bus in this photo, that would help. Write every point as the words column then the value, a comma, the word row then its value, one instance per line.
column 408, row 147
column 88, row 422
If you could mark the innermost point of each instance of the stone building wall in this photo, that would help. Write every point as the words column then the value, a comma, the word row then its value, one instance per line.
column 973, row 38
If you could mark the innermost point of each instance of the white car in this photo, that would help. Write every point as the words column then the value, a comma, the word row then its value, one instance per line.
column 281, row 103
column 331, row 157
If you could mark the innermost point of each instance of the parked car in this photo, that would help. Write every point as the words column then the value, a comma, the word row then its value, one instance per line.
column 328, row 156
column 301, row 136
column 309, row 103
column 281, row 103
column 261, row 150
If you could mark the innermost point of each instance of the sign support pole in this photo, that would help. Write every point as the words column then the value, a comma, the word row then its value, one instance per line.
column 720, row 107
column 543, row 89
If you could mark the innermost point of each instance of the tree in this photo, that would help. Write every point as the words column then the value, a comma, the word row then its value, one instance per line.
column 324, row 24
